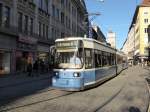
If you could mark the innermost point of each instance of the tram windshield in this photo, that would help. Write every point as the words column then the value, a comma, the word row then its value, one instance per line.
column 69, row 57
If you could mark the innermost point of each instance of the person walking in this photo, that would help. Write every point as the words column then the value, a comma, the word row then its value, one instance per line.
column 36, row 68
column 29, row 69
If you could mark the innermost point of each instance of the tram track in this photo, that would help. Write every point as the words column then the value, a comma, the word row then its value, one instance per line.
column 37, row 102
column 97, row 109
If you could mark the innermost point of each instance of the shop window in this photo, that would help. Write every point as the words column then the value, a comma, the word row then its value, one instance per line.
column 53, row 10
column 62, row 17
column 40, row 4
column 0, row 14
column 40, row 29
column 57, row 13
column 43, row 30
column 20, row 17
column 26, row 24
column 31, row 26
column 47, row 32
column 4, row 63
column 7, row 17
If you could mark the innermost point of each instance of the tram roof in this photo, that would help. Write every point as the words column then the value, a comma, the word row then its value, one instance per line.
column 84, row 39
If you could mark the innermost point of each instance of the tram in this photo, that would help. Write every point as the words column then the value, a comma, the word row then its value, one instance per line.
column 121, row 61
column 81, row 63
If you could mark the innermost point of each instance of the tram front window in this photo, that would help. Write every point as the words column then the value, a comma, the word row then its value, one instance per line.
column 69, row 59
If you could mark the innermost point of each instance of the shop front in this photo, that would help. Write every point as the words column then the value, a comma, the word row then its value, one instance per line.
column 7, row 48
column 4, row 62
column 25, row 53
column 43, row 52
column 22, row 60
column 43, row 56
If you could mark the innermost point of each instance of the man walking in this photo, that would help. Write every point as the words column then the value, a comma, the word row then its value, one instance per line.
column 29, row 69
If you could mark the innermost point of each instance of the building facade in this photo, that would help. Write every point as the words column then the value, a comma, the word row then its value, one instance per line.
column 111, row 38
column 68, row 18
column 97, row 34
column 29, row 27
column 140, row 23
column 128, row 46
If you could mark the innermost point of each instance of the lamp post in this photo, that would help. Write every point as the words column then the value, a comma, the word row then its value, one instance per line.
column 88, row 23
column 94, row 15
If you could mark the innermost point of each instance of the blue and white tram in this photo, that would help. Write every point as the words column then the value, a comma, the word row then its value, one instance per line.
column 121, row 61
column 82, row 63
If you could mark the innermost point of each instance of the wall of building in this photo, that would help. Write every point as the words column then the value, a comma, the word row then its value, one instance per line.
column 111, row 38
column 29, row 27
column 144, row 13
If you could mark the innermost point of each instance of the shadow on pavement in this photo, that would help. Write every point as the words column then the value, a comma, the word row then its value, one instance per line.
column 134, row 109
column 11, row 94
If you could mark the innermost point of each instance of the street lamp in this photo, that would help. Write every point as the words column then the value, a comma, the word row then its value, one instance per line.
column 87, row 22
column 94, row 15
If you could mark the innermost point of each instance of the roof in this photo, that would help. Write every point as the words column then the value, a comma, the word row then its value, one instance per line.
column 146, row 2
column 84, row 39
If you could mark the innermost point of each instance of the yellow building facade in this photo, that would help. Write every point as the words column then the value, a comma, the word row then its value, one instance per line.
column 140, row 23
column 144, row 21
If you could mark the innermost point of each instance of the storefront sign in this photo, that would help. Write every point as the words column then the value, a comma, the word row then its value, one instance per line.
column 27, row 39
column 26, row 46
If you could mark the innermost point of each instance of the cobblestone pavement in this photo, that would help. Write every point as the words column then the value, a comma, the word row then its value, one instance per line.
column 128, row 92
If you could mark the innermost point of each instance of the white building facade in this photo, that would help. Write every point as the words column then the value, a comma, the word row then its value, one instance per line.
column 111, row 38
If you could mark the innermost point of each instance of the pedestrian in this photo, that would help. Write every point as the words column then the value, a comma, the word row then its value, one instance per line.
column 36, row 68
column 42, row 66
column 29, row 69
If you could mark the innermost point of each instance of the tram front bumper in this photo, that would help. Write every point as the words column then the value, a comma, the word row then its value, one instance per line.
column 68, row 84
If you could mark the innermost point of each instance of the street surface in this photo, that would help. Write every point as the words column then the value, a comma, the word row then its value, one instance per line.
column 128, row 92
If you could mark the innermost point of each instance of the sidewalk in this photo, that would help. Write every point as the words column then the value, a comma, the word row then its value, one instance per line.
column 16, row 86
column 14, row 80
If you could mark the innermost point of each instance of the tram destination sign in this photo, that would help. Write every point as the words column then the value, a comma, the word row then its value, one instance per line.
column 64, row 44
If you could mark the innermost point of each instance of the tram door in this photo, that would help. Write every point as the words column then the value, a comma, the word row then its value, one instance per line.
column 89, row 73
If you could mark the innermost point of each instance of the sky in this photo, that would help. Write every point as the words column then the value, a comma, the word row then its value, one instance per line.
column 116, row 15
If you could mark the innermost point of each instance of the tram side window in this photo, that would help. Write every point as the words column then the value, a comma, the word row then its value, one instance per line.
column 99, row 58
column 109, row 59
column 112, row 59
column 96, row 58
column 104, row 59
column 88, row 58
column 119, row 59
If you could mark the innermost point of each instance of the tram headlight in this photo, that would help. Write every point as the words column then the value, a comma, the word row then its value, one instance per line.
column 76, row 74
column 56, row 74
